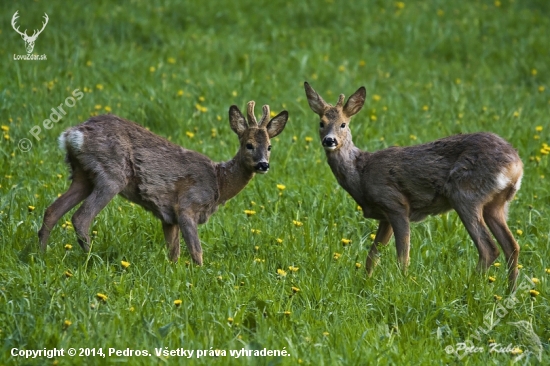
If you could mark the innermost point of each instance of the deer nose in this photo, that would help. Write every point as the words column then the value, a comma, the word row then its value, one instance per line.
column 330, row 142
column 262, row 167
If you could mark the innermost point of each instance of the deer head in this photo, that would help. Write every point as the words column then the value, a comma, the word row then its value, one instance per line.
column 254, row 137
column 333, row 127
column 29, row 40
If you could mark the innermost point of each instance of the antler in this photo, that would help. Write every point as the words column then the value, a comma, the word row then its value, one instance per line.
column 250, row 114
column 340, row 100
column 13, row 20
column 43, row 26
column 265, row 116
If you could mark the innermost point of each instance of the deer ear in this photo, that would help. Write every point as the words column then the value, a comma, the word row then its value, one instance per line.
column 237, row 121
column 316, row 103
column 355, row 102
column 277, row 124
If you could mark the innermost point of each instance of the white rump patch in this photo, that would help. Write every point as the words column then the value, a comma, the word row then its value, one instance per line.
column 502, row 181
column 517, row 186
column 61, row 141
column 72, row 138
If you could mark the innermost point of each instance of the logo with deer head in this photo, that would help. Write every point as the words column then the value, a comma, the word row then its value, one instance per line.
column 29, row 40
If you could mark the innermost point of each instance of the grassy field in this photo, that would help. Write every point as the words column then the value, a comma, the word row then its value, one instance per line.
column 280, row 279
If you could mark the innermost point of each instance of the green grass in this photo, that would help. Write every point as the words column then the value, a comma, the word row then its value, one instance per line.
column 437, row 67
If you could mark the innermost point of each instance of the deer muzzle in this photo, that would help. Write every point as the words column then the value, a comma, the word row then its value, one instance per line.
column 262, row 167
column 329, row 143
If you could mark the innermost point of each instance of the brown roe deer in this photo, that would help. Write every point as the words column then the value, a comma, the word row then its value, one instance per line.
column 475, row 174
column 108, row 155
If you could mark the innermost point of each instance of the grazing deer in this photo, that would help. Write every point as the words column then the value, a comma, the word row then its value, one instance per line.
column 475, row 174
column 109, row 155
column 29, row 40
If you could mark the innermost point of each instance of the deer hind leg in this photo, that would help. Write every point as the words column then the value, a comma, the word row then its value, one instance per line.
column 171, row 234
column 188, row 227
column 92, row 205
column 383, row 235
column 79, row 189
column 494, row 214
column 472, row 219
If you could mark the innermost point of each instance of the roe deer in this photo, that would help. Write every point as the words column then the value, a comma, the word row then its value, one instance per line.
column 109, row 155
column 475, row 174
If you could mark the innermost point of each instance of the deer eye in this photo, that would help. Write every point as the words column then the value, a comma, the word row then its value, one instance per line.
column 321, row 124
column 269, row 148
column 249, row 146
column 343, row 125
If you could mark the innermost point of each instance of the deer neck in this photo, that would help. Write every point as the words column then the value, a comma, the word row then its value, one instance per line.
column 233, row 176
column 343, row 163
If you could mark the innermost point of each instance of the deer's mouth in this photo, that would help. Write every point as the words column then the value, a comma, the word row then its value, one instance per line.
column 330, row 143
column 262, row 168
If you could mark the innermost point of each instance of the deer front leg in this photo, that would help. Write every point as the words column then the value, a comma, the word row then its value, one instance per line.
column 188, row 228
column 383, row 235
column 171, row 234
column 401, row 229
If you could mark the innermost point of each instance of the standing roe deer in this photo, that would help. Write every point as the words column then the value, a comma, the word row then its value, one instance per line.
column 475, row 174
column 109, row 155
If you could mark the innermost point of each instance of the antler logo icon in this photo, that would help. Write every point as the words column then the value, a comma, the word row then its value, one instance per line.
column 29, row 40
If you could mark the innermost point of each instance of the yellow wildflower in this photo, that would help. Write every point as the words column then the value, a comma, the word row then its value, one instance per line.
column 357, row 265
column 309, row 139
column 281, row 272
column 67, row 324
column 492, row 279
column 534, row 293
column 107, row 108
column 279, row 241
column 177, row 302
column 541, row 89
column 297, row 223
column 547, row 270
column 336, row 256
column 230, row 320
column 520, row 266
column 5, row 128
column 281, row 187
column 31, row 208
column 535, row 280
column 519, row 232
column 190, row 134
column 287, row 313
column 293, row 269
column 68, row 247
column 171, row 60
column 497, row 298
column 425, row 108
column 346, row 241
column 249, row 212
column 516, row 351
column 538, row 128
column 326, row 334
column 125, row 264
column 152, row 69
column 295, row 289
column 376, row 97
column 99, row 86
column 496, row 264
column 68, row 274
column 255, row 231
column 101, row 296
